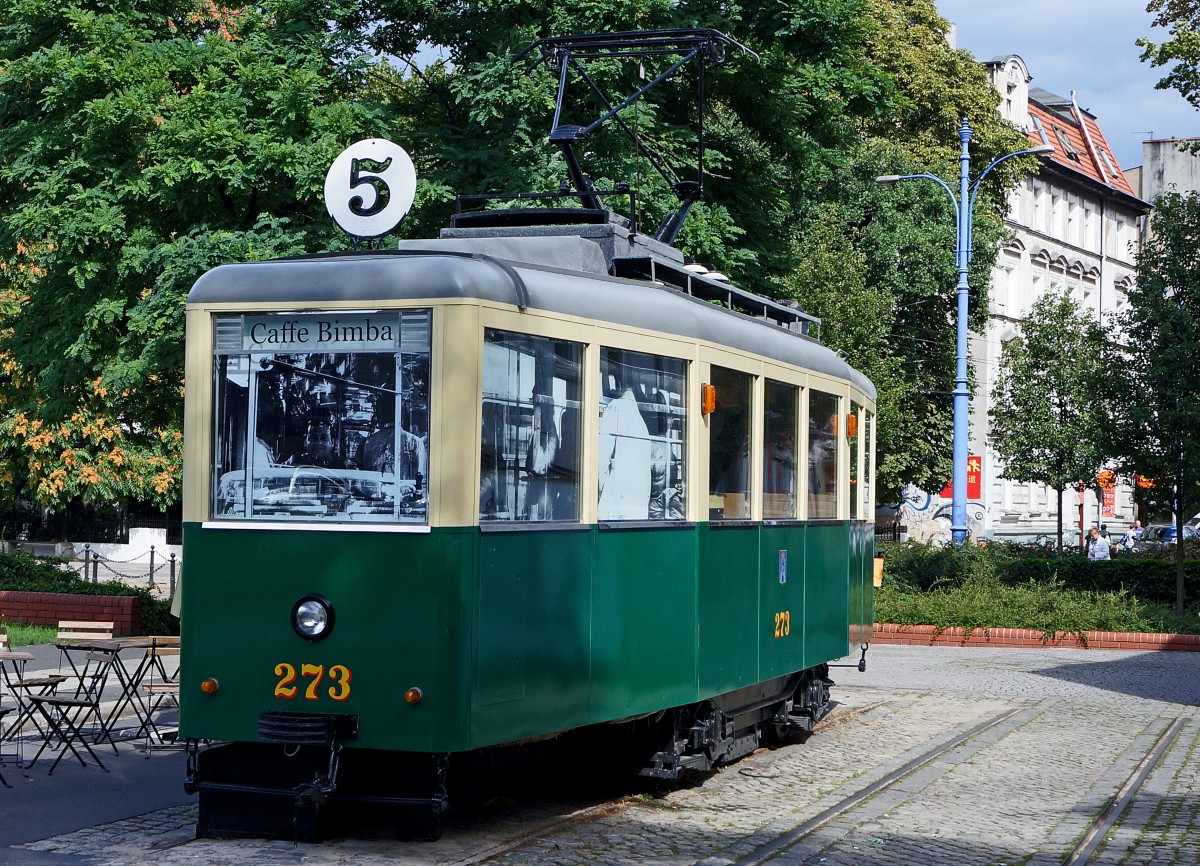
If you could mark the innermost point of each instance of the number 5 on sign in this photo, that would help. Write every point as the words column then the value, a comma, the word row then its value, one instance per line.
column 370, row 187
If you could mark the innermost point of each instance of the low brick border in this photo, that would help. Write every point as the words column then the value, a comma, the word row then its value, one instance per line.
column 929, row 635
column 47, row 608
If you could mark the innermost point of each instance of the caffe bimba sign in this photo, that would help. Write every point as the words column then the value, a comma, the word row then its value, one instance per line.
column 322, row 332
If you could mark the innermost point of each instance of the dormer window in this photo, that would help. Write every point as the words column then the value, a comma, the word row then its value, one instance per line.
column 1064, row 143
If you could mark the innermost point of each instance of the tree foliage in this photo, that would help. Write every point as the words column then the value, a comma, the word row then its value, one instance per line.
column 1047, row 412
column 1155, row 404
column 1180, row 51
column 140, row 144
column 143, row 141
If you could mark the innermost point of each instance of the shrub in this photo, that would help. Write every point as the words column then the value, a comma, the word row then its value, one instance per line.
column 23, row 572
column 1001, row 586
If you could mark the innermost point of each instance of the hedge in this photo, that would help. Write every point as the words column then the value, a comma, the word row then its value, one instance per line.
column 23, row 572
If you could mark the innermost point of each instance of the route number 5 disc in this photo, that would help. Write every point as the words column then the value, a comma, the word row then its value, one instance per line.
column 370, row 187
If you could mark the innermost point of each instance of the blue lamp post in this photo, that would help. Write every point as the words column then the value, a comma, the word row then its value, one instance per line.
column 964, row 204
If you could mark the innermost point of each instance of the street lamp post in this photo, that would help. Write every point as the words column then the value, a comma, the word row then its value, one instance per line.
column 964, row 204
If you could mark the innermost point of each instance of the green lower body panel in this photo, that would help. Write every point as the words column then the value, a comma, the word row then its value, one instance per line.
column 507, row 635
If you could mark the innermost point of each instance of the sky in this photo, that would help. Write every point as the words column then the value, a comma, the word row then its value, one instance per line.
column 1087, row 46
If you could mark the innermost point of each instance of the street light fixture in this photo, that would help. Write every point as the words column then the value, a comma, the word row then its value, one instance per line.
column 964, row 204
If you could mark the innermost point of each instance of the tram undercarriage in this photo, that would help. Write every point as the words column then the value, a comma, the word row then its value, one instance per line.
column 311, row 787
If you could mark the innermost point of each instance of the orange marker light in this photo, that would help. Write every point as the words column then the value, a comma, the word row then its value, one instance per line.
column 209, row 686
column 708, row 398
column 413, row 695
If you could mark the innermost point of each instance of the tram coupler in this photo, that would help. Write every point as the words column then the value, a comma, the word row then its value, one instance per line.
column 862, row 661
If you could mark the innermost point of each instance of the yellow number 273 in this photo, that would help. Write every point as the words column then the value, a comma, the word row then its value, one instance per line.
column 783, row 623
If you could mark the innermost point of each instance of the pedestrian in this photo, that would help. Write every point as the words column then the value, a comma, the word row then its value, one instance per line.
column 1104, row 530
column 1099, row 547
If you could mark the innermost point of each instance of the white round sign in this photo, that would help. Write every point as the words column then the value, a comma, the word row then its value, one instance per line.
column 370, row 187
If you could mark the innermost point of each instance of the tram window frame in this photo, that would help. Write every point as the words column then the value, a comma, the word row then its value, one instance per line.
column 642, row 441
column 529, row 471
column 730, row 445
column 336, row 404
column 824, row 455
column 780, row 447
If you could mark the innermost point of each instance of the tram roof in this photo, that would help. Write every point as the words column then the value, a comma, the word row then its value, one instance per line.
column 571, row 285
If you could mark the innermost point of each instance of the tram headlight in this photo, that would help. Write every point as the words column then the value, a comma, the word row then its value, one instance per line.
column 312, row 617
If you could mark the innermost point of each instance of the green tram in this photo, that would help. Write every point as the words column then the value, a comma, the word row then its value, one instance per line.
column 486, row 490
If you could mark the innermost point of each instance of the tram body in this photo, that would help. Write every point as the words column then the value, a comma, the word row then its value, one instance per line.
column 440, row 501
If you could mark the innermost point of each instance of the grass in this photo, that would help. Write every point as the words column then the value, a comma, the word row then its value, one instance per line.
column 22, row 634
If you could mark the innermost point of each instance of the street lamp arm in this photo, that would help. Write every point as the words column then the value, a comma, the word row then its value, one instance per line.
column 1041, row 148
column 893, row 178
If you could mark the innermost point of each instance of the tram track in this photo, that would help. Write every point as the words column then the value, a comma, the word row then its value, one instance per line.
column 1007, row 720
column 1096, row 832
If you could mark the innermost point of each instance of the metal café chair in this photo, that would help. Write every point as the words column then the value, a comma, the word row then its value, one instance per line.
column 66, row 717
column 12, row 672
column 161, row 689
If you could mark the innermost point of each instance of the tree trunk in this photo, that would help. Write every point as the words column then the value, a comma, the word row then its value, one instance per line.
column 1059, row 490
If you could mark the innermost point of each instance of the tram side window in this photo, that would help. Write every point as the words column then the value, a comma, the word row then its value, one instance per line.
column 529, row 464
column 852, row 437
column 729, row 446
column 643, row 436
column 822, row 455
column 779, row 450
column 322, row 417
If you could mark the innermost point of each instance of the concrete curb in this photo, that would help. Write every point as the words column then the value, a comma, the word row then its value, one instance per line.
column 930, row 635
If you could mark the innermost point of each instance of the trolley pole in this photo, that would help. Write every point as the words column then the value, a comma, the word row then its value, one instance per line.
column 964, row 205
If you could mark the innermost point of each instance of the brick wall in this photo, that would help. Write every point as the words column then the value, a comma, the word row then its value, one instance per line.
column 928, row 635
column 47, row 608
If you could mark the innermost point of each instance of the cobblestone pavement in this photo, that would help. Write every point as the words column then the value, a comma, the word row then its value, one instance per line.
column 1021, row 792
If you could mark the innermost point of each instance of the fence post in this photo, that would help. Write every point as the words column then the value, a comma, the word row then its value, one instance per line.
column 150, row 579
column 95, row 567
column 171, row 594
column 87, row 555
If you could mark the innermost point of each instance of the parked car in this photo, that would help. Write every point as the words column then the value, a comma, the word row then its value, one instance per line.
column 1162, row 534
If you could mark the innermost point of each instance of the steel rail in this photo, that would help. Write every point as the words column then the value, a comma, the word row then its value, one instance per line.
column 1082, row 853
column 765, row 852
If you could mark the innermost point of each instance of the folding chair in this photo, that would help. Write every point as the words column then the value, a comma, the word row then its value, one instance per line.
column 161, row 690
column 12, row 672
column 66, row 717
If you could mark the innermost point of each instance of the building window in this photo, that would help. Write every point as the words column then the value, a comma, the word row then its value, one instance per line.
column 1064, row 143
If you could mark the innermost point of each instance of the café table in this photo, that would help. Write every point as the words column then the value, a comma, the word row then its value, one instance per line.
column 128, row 681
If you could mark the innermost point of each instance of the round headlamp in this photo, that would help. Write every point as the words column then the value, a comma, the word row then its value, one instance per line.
column 312, row 617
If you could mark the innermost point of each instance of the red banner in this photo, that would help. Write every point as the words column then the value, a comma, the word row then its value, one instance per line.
column 1108, row 502
column 974, row 480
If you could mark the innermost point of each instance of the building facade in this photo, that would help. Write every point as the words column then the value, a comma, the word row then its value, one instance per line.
column 1074, row 225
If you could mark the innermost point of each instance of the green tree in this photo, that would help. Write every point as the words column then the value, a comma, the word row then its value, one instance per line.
column 1047, row 412
column 1155, row 404
column 1180, row 50
column 141, row 143
column 845, row 90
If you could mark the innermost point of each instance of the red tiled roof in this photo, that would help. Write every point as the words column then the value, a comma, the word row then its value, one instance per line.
column 1088, row 154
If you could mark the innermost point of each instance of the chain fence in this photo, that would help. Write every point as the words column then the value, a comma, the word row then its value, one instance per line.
column 151, row 570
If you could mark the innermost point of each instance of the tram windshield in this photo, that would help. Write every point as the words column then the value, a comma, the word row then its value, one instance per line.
column 322, row 417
